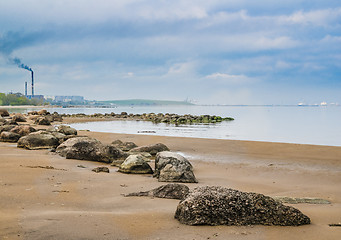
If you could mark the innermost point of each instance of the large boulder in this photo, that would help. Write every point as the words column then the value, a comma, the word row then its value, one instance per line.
column 7, row 128
column 23, row 130
column 153, row 149
column 172, row 167
column 135, row 164
column 213, row 205
column 124, row 146
column 38, row 140
column 43, row 121
column 18, row 117
column 43, row 112
column 56, row 117
column 171, row 191
column 9, row 137
column 67, row 130
column 85, row 148
column 4, row 112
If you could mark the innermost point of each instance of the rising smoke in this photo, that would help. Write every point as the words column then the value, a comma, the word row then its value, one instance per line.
column 18, row 62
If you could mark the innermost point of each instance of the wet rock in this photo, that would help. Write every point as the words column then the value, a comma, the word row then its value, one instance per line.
column 172, row 167
column 85, row 148
column 18, row 117
column 223, row 206
column 42, row 121
column 4, row 112
column 38, row 140
column 171, row 191
column 23, row 130
column 56, row 117
column 67, row 130
column 101, row 169
column 124, row 146
column 9, row 137
column 153, row 149
column 135, row 164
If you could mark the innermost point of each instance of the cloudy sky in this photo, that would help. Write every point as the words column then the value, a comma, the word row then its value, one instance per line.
column 227, row 51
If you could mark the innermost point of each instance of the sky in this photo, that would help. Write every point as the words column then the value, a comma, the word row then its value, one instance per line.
column 211, row 52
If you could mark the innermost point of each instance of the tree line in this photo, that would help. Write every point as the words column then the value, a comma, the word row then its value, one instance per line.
column 16, row 99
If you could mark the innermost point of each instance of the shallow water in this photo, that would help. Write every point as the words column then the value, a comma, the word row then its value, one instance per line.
column 294, row 124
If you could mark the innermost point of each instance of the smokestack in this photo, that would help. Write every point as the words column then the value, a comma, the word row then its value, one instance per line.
column 32, row 84
column 25, row 89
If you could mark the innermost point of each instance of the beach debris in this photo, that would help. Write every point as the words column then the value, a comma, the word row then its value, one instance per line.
column 135, row 164
column 86, row 148
column 61, row 191
column 67, row 130
column 4, row 112
column 173, row 167
column 171, row 191
column 124, row 146
column 81, row 166
column 146, row 131
column 153, row 149
column 100, row 169
column 334, row 225
column 9, row 137
column 23, row 130
column 45, row 167
column 215, row 205
column 38, row 140
column 42, row 121
column 18, row 117
column 294, row 200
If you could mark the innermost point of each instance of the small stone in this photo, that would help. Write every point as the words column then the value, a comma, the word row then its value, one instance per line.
column 101, row 169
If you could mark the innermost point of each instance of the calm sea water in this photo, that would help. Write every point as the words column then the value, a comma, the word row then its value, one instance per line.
column 305, row 125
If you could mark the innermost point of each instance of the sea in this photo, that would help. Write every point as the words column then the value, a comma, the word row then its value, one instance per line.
column 317, row 125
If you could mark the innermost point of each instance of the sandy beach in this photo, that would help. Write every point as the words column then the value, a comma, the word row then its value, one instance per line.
column 72, row 202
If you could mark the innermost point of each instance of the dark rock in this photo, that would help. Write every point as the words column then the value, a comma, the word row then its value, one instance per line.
column 42, row 121
column 43, row 112
column 18, row 117
column 56, row 117
column 153, row 149
column 85, row 148
column 171, row 191
column 101, row 169
column 172, row 167
column 38, row 140
column 10, row 122
column 9, row 137
column 67, row 130
column 4, row 112
column 124, row 146
column 135, row 164
column 223, row 206
column 23, row 130
column 7, row 128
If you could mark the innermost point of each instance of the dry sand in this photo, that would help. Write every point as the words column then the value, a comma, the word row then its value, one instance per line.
column 71, row 202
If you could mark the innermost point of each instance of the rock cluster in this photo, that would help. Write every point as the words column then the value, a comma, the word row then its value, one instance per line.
column 158, row 118
column 223, row 206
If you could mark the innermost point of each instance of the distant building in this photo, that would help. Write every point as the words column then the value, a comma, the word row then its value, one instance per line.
column 35, row 96
column 65, row 99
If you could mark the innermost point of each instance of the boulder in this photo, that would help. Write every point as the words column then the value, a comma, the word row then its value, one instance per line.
column 42, row 121
column 7, row 128
column 67, row 130
column 101, row 169
column 18, row 117
column 10, row 122
column 43, row 112
column 56, row 117
column 153, row 149
column 85, row 148
column 214, row 205
column 23, row 130
column 9, row 137
column 124, row 146
column 172, row 167
column 171, row 191
column 135, row 164
column 4, row 112
column 38, row 140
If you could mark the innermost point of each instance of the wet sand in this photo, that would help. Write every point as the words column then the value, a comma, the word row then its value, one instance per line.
column 71, row 202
